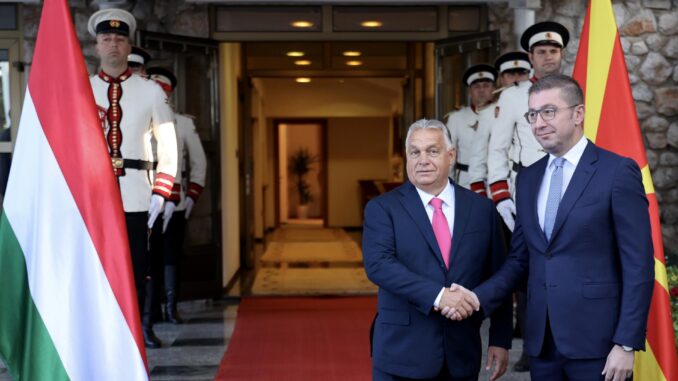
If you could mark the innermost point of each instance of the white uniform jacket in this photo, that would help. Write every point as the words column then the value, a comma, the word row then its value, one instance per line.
column 512, row 144
column 132, row 110
column 190, row 179
column 469, row 128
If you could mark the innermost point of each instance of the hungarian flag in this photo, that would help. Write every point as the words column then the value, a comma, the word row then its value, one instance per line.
column 68, row 307
column 611, row 123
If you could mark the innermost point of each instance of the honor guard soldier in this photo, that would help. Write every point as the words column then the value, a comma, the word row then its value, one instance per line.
column 470, row 122
column 137, row 61
column 513, row 68
column 132, row 109
column 511, row 133
column 188, row 186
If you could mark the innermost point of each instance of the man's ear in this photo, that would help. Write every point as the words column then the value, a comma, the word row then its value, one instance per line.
column 579, row 113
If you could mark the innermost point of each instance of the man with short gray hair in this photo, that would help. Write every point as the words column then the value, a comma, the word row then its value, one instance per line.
column 420, row 242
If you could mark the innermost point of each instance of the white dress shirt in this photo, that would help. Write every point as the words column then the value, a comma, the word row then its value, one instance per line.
column 447, row 195
column 572, row 158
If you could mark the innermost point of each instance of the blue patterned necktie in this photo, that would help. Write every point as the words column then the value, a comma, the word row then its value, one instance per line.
column 553, row 198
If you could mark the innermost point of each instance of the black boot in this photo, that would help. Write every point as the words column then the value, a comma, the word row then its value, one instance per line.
column 150, row 339
column 171, row 313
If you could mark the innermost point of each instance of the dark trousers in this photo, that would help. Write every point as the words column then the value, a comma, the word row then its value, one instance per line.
column 378, row 375
column 551, row 365
column 166, row 249
column 137, row 234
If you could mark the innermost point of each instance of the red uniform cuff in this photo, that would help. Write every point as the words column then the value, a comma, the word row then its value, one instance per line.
column 163, row 185
column 175, row 197
column 479, row 188
column 194, row 191
column 499, row 191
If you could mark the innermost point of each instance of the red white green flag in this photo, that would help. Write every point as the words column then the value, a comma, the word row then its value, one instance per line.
column 68, row 307
column 611, row 122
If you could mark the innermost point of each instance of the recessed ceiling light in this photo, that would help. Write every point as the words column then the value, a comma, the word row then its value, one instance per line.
column 371, row 24
column 302, row 24
column 295, row 54
column 302, row 62
column 354, row 63
column 303, row 80
column 352, row 53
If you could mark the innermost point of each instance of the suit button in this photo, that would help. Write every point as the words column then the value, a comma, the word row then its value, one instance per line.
column 549, row 255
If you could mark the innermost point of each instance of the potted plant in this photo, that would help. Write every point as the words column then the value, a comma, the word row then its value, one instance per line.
column 300, row 165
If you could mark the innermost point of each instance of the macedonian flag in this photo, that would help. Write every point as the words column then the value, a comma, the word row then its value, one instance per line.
column 611, row 123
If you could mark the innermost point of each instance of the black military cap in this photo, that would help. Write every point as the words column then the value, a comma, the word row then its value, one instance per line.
column 112, row 20
column 480, row 72
column 163, row 77
column 513, row 61
column 545, row 33
column 138, row 57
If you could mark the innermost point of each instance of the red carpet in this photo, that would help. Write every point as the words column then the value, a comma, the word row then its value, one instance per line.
column 298, row 338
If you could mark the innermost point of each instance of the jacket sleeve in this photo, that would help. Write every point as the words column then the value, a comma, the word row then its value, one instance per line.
column 197, row 160
column 498, row 148
column 633, row 233
column 163, row 131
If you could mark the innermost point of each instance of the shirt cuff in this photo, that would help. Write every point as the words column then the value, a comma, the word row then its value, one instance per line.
column 436, row 303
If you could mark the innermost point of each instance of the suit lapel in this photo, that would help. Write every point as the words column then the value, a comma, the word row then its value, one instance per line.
column 411, row 201
column 580, row 179
column 462, row 211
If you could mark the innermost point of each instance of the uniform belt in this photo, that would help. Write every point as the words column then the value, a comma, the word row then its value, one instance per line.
column 133, row 164
column 517, row 167
column 462, row 167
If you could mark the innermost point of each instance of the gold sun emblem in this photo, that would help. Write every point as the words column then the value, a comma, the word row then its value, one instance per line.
column 548, row 35
column 114, row 23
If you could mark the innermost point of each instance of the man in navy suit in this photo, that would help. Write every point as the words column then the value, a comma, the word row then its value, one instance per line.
column 582, row 238
column 418, row 240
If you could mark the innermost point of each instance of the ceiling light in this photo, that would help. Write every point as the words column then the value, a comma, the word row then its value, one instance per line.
column 371, row 24
column 303, row 80
column 302, row 62
column 295, row 54
column 352, row 53
column 302, row 24
column 354, row 63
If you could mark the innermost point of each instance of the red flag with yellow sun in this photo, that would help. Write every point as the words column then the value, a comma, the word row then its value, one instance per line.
column 611, row 123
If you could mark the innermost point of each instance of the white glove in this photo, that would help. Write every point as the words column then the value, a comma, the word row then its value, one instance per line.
column 507, row 211
column 188, row 202
column 154, row 209
column 167, row 214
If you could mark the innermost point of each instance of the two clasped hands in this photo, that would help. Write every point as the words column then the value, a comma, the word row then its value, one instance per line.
column 458, row 303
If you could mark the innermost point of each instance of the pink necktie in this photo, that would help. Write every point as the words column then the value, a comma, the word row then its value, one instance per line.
column 441, row 230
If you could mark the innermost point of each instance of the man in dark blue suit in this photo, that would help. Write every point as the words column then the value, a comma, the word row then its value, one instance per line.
column 418, row 240
column 582, row 238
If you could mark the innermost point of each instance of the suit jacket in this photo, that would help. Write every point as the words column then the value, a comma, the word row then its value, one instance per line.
column 402, row 257
column 594, row 279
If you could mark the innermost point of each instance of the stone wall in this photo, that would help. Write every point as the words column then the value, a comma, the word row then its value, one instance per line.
column 166, row 16
column 649, row 37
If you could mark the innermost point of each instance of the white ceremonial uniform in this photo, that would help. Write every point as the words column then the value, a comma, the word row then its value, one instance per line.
column 511, row 134
column 469, row 128
column 190, row 178
column 137, row 111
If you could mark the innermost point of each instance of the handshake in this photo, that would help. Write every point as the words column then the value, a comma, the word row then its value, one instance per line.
column 458, row 303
